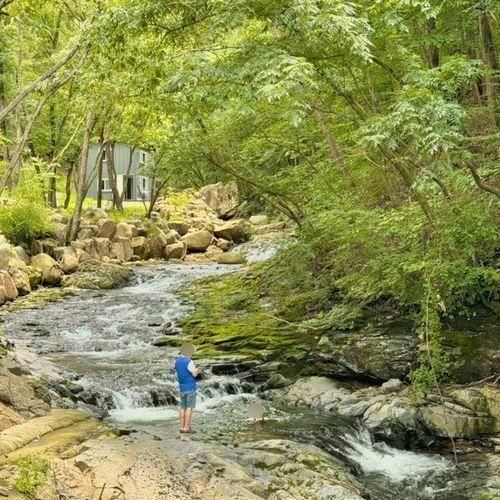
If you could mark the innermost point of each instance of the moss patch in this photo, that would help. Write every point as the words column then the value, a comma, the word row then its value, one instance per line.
column 36, row 299
column 98, row 276
column 232, row 319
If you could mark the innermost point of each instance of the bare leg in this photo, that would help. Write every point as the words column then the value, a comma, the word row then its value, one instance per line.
column 182, row 418
column 187, row 419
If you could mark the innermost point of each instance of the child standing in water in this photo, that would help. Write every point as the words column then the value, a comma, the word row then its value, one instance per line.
column 186, row 376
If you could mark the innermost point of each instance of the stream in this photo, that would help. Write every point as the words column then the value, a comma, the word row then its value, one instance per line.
column 104, row 339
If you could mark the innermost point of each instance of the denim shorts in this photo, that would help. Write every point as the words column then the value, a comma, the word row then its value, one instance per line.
column 188, row 399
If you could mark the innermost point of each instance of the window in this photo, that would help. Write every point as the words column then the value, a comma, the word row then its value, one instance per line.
column 105, row 185
column 144, row 183
column 103, row 156
column 143, row 157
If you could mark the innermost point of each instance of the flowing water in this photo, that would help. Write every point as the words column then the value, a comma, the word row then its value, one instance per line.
column 106, row 340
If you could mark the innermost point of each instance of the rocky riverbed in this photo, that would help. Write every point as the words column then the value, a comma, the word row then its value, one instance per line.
column 99, row 351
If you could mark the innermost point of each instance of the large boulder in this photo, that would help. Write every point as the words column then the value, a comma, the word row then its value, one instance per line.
column 103, row 247
column 140, row 247
column 203, row 223
column 223, row 244
column 176, row 250
column 51, row 270
column 94, row 275
column 35, row 276
column 321, row 393
column 157, row 243
column 161, row 224
column 221, row 198
column 198, row 209
column 197, row 241
column 69, row 263
column 124, row 230
column 59, row 218
column 375, row 352
column 12, row 261
column 9, row 258
column 91, row 249
column 67, row 258
column 87, row 232
column 450, row 422
column 234, row 230
column 271, row 228
column 8, row 285
column 121, row 249
column 21, row 280
column 171, row 236
column 106, row 228
column 18, row 393
column 82, row 255
column 181, row 226
column 60, row 231
column 21, row 253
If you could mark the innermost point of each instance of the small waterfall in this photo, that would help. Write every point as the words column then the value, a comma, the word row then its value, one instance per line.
column 398, row 465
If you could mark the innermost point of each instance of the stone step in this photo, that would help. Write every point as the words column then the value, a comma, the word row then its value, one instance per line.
column 20, row 435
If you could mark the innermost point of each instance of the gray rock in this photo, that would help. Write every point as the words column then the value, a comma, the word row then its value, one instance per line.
column 197, row 241
column 392, row 385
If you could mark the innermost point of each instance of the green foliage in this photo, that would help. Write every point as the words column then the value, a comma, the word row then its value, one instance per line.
column 23, row 221
column 360, row 121
column 24, row 216
column 32, row 473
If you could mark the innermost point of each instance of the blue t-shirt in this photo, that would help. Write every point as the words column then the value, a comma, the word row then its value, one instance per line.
column 187, row 382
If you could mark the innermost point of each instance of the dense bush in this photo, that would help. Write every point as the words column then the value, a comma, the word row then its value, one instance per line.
column 23, row 221
column 24, row 215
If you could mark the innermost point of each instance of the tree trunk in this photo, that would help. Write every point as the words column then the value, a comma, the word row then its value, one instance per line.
column 82, row 184
column 69, row 176
column 432, row 50
column 332, row 145
column 52, row 190
column 3, row 123
column 489, row 54
column 408, row 181
column 99, row 173
column 21, row 145
column 113, row 178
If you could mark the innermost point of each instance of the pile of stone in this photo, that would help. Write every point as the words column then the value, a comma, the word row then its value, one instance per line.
column 207, row 231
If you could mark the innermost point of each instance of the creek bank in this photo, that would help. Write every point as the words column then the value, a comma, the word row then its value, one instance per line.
column 396, row 414
column 205, row 229
column 145, row 466
column 101, row 353
column 356, row 372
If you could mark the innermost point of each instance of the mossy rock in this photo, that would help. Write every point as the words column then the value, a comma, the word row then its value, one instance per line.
column 93, row 275
column 37, row 299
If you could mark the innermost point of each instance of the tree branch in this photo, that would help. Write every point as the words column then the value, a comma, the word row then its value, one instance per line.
column 480, row 184
column 34, row 85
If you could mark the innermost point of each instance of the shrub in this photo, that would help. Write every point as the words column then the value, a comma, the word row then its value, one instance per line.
column 32, row 473
column 22, row 221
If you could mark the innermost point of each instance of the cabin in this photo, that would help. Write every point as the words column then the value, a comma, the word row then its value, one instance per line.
column 136, row 186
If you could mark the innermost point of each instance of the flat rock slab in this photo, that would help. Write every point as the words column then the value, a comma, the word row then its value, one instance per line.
column 20, row 435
